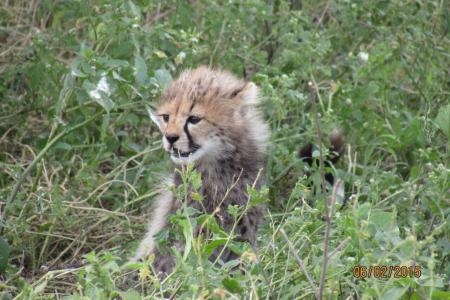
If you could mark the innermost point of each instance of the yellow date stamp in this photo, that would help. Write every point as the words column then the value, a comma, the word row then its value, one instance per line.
column 382, row 271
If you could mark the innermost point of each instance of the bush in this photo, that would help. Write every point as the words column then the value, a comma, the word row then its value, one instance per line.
column 80, row 160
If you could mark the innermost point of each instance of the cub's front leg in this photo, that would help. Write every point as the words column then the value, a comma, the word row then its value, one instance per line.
column 163, row 206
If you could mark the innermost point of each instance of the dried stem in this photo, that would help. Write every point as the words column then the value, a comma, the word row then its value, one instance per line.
column 327, row 238
column 298, row 259
column 314, row 94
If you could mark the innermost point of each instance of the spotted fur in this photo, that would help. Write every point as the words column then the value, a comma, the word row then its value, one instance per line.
column 211, row 119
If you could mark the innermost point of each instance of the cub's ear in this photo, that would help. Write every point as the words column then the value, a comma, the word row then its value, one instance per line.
column 153, row 116
column 249, row 95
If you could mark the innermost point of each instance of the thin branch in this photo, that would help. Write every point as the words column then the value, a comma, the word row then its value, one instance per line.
column 314, row 94
column 219, row 40
column 324, row 13
column 327, row 238
column 339, row 247
column 298, row 259
column 158, row 15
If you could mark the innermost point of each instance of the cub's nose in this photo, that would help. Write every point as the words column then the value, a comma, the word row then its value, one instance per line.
column 172, row 138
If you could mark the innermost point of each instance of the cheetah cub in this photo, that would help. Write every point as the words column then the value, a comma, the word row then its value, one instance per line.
column 210, row 119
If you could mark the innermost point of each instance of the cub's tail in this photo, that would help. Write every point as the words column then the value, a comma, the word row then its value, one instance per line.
column 306, row 153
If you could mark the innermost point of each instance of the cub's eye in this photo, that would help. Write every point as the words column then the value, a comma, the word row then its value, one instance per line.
column 165, row 117
column 193, row 119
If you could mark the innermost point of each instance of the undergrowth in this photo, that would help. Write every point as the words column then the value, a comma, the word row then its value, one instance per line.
column 80, row 161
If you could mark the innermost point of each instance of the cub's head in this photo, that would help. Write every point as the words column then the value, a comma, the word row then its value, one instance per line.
column 206, row 115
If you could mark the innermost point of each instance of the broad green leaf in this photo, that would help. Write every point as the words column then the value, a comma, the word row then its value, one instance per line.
column 105, row 102
column 437, row 295
column 383, row 220
column 394, row 292
column 187, row 233
column 216, row 242
column 443, row 120
column 130, row 295
column 75, row 68
column 232, row 285
column 140, row 70
column 135, row 10
column 211, row 224
column 63, row 146
column 163, row 78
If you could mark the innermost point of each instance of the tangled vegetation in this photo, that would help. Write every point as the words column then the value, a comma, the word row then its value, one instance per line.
column 80, row 159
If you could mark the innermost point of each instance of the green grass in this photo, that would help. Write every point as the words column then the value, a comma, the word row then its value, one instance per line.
column 78, row 175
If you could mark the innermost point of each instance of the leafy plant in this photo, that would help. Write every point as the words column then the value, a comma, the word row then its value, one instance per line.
column 80, row 160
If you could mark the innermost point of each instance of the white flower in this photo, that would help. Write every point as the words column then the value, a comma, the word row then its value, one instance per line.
column 363, row 56
column 103, row 86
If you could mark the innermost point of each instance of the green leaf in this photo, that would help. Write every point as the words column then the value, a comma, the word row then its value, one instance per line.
column 257, row 196
column 130, row 295
column 5, row 250
column 196, row 180
column 134, row 9
column 63, row 146
column 443, row 120
column 163, row 78
column 210, row 223
column 437, row 295
column 186, row 227
column 140, row 70
column 394, row 293
column 363, row 210
column 216, row 242
column 232, row 285
column 75, row 68
column 105, row 102
column 159, row 54
column 76, row 297
column 383, row 220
